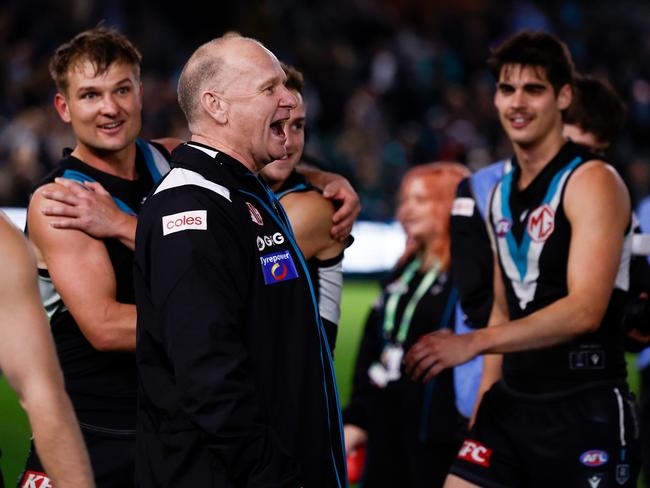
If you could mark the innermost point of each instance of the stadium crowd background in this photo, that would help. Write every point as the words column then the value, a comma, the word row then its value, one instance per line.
column 391, row 83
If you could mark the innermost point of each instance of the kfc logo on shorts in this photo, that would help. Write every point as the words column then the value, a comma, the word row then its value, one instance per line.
column 541, row 223
column 256, row 216
column 594, row 458
column 34, row 479
column 268, row 241
column 502, row 227
column 475, row 452
column 192, row 220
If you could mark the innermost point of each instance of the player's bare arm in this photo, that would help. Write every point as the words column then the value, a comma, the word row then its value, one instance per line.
column 28, row 359
column 598, row 208
column 335, row 187
column 311, row 218
column 82, row 273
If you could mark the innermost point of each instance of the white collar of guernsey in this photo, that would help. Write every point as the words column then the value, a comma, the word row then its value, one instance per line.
column 210, row 152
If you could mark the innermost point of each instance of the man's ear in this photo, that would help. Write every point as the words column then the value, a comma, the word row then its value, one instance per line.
column 61, row 106
column 565, row 97
column 215, row 106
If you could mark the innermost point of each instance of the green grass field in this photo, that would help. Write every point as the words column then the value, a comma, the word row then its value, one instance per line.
column 357, row 298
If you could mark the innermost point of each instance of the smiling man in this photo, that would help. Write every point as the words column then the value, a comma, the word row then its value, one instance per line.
column 556, row 409
column 87, row 282
column 236, row 386
column 310, row 214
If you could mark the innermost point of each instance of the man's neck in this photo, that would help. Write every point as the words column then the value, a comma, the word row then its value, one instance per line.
column 224, row 147
column 533, row 159
column 117, row 163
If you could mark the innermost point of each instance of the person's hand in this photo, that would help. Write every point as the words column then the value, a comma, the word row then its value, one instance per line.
column 355, row 437
column 341, row 190
column 88, row 207
column 436, row 351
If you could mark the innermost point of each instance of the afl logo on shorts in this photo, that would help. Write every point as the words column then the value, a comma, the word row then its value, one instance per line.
column 502, row 227
column 256, row 216
column 594, row 458
column 541, row 223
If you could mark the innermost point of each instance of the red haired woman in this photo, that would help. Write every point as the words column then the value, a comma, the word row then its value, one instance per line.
column 409, row 429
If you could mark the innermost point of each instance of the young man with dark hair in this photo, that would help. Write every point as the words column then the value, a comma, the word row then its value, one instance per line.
column 556, row 408
column 310, row 214
column 597, row 114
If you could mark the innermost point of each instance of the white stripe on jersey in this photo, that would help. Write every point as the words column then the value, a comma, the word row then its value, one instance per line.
column 181, row 177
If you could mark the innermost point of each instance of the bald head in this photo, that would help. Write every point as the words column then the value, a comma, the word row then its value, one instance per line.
column 215, row 65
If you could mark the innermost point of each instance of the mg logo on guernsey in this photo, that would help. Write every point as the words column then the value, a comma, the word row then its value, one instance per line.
column 278, row 267
column 192, row 220
column 541, row 223
column 268, row 241
column 475, row 452
column 34, row 479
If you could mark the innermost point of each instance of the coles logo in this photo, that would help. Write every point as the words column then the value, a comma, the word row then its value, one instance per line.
column 594, row 458
column 502, row 227
column 268, row 241
column 256, row 216
column 475, row 452
column 34, row 479
column 278, row 266
column 192, row 220
column 541, row 223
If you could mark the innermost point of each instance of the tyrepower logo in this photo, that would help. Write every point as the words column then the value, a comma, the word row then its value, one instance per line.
column 268, row 241
column 594, row 458
column 475, row 452
column 278, row 267
column 541, row 223
column 34, row 479
column 192, row 220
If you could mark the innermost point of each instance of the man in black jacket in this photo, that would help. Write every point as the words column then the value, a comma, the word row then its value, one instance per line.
column 235, row 384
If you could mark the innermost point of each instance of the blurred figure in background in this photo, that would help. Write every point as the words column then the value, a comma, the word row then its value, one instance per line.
column 409, row 429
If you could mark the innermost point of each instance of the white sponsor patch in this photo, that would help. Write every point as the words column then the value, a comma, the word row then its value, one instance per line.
column 192, row 220
column 463, row 206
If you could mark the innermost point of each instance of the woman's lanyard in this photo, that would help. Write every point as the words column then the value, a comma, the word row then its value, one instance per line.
column 393, row 300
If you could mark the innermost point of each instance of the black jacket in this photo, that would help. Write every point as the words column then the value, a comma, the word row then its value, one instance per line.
column 236, row 387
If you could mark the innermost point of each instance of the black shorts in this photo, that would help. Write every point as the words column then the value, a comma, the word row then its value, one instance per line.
column 112, row 456
column 588, row 437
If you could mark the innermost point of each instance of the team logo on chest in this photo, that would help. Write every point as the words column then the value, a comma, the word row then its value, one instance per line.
column 256, row 216
column 541, row 223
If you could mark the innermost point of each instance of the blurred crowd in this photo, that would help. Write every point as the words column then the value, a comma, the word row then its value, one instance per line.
column 390, row 84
